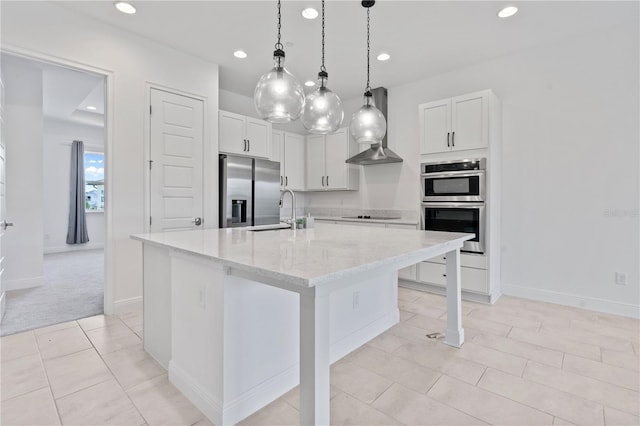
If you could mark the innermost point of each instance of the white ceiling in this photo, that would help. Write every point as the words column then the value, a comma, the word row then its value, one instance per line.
column 66, row 93
column 424, row 38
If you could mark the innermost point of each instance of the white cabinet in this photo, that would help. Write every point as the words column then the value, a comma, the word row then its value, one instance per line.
column 277, row 152
column 289, row 150
column 294, row 161
column 243, row 135
column 316, row 163
column 326, row 167
column 455, row 124
column 471, row 279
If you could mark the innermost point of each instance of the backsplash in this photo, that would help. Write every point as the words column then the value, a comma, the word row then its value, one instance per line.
column 346, row 212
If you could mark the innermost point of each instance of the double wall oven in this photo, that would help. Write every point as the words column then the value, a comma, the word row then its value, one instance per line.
column 453, row 199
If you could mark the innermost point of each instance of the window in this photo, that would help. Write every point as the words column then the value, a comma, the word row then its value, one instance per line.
column 94, row 181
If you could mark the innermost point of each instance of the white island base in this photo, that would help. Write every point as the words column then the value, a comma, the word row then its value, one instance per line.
column 233, row 344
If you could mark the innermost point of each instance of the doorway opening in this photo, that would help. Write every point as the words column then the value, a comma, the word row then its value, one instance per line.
column 50, row 274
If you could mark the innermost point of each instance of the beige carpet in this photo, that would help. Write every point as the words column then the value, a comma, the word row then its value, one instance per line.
column 74, row 288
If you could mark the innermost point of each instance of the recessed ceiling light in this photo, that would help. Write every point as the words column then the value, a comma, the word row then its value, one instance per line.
column 91, row 108
column 240, row 54
column 505, row 12
column 310, row 13
column 125, row 7
column 310, row 83
column 384, row 57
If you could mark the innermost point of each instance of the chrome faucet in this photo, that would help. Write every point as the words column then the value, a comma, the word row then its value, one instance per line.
column 291, row 221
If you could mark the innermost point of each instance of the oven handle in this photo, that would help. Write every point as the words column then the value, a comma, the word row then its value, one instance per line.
column 455, row 205
column 461, row 173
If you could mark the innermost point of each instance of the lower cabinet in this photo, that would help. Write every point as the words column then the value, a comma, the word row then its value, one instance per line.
column 471, row 279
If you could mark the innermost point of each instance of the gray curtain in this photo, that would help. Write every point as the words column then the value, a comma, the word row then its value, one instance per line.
column 77, row 231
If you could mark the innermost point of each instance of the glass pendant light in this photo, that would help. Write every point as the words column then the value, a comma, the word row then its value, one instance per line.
column 278, row 97
column 323, row 112
column 368, row 125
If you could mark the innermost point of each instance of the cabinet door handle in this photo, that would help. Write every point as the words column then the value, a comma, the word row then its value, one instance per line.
column 322, row 180
column 448, row 135
column 453, row 138
column 248, row 145
column 281, row 180
column 286, row 181
column 244, row 146
column 327, row 180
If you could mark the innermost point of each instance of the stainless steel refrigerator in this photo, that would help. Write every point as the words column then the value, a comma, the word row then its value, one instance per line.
column 249, row 191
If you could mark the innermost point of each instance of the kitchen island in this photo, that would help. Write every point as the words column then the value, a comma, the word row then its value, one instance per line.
column 239, row 317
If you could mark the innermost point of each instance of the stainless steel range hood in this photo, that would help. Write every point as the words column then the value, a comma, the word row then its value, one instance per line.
column 378, row 153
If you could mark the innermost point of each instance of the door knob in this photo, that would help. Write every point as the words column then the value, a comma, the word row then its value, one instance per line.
column 6, row 224
column 197, row 221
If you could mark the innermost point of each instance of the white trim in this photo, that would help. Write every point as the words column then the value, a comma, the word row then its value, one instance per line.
column 203, row 400
column 127, row 305
column 567, row 299
column 73, row 247
column 261, row 396
column 109, row 114
column 23, row 283
column 359, row 337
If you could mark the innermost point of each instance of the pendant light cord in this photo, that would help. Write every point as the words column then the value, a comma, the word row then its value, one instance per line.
column 368, row 47
column 278, row 44
column 322, row 67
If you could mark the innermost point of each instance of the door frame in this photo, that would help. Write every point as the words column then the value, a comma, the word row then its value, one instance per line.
column 108, row 75
column 209, row 205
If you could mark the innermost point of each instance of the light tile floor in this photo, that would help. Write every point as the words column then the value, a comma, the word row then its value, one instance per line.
column 523, row 363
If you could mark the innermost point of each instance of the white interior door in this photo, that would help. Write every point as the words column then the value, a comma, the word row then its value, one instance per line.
column 176, row 177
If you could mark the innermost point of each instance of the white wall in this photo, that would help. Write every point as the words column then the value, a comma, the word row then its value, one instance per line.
column 58, row 135
column 24, row 204
column 51, row 29
column 570, row 165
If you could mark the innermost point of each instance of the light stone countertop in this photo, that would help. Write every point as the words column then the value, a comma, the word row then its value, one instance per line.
column 400, row 221
column 308, row 257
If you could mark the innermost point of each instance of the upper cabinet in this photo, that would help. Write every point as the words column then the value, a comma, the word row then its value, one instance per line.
column 294, row 155
column 289, row 150
column 455, row 124
column 242, row 135
column 326, row 168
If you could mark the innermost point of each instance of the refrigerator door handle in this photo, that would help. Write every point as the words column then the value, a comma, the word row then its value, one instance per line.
column 223, row 191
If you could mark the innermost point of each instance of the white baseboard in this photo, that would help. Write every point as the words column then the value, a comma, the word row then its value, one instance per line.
column 260, row 396
column 23, row 283
column 567, row 299
column 358, row 338
column 3, row 303
column 73, row 247
column 268, row 391
column 203, row 400
column 127, row 305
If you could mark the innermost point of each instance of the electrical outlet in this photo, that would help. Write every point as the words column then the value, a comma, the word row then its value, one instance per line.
column 621, row 278
column 203, row 297
column 356, row 299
